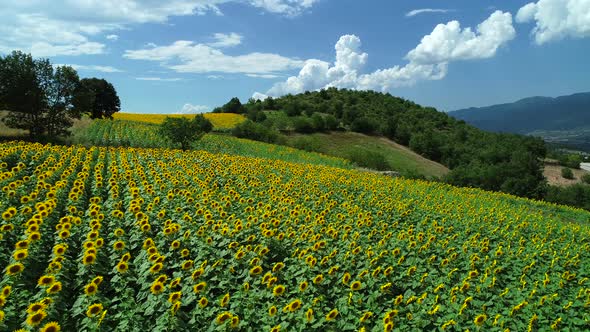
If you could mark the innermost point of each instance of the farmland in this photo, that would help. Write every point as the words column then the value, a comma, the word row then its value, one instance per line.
column 221, row 121
column 118, row 238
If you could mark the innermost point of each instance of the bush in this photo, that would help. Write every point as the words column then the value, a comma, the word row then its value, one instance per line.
column 184, row 131
column 368, row 159
column 303, row 125
column 318, row 122
column 567, row 173
column 586, row 178
column 331, row 122
column 364, row 125
column 254, row 131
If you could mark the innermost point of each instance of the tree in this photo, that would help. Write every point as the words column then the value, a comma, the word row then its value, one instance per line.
column 233, row 106
column 184, row 131
column 97, row 98
column 38, row 96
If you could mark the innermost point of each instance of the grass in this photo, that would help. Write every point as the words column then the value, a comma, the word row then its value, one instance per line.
column 342, row 144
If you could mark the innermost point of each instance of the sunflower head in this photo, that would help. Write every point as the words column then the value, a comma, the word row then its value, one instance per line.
column 94, row 310
column 278, row 290
column 355, row 285
column 34, row 307
column 46, row 280
column 90, row 289
column 14, row 269
column 35, row 318
column 203, row 302
column 332, row 315
column 54, row 288
column 122, row 267
column 157, row 288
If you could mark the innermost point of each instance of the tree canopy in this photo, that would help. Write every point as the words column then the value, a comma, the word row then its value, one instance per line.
column 97, row 98
column 184, row 131
column 38, row 96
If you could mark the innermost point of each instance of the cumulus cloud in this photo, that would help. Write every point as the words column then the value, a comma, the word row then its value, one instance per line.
column 226, row 40
column 67, row 27
column 557, row 19
column 188, row 57
column 429, row 60
column 426, row 10
column 191, row 109
column 102, row 69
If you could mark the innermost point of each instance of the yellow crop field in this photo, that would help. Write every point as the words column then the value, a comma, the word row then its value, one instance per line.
column 111, row 239
column 219, row 120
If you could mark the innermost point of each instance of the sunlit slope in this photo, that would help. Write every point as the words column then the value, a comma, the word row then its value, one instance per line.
column 154, row 239
column 138, row 134
column 219, row 120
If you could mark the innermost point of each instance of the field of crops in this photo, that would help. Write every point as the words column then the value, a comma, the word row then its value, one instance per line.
column 162, row 240
column 220, row 121
column 137, row 134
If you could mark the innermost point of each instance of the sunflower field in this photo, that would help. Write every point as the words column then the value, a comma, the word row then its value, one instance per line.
column 133, row 239
column 145, row 135
column 220, row 121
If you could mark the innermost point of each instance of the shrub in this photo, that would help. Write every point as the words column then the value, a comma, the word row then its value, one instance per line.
column 303, row 125
column 586, row 178
column 567, row 173
column 255, row 131
column 368, row 159
column 364, row 125
column 306, row 143
column 184, row 131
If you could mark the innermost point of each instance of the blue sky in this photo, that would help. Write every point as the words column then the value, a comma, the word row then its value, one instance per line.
column 193, row 55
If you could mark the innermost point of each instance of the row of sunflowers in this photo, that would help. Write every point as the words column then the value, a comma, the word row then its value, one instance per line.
column 109, row 239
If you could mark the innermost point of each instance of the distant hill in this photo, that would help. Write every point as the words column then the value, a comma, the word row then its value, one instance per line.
column 535, row 114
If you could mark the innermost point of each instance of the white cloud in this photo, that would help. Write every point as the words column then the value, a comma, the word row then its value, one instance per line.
column 259, row 96
column 187, row 57
column 263, row 75
column 426, row 10
column 190, row 109
column 428, row 61
column 226, row 40
column 103, row 69
column 288, row 7
column 160, row 79
column 68, row 27
column 449, row 42
column 557, row 19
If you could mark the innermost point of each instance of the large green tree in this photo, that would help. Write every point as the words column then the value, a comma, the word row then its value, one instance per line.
column 184, row 131
column 37, row 96
column 97, row 98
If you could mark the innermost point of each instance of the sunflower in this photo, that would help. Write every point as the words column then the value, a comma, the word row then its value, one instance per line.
column 184, row 253
column 346, row 278
column 366, row 316
column 162, row 278
column 46, row 280
column 34, row 307
column 303, row 286
column 272, row 311
column 294, row 305
column 119, row 245
column 54, row 288
column 318, row 279
column 355, row 285
column 278, row 266
column 6, row 291
column 126, row 257
column 223, row 317
column 175, row 283
column 224, row 300
column 59, row 250
column 276, row 328
column 156, row 268
column 203, row 302
column 175, row 296
column 388, row 327
column 175, row 244
column 90, row 289
column 197, row 273
column 122, row 267
column 88, row 259
column 2, row 301
column 480, row 319
column 332, row 315
column 157, row 287
column 175, row 307
column 97, row 280
column 256, row 270
column 119, row 232
column 15, row 268
column 309, row 315
column 23, row 244
column 235, row 321
column 278, row 290
column 188, row 264
column 199, row 287
column 94, row 310
column 36, row 318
